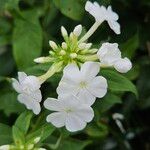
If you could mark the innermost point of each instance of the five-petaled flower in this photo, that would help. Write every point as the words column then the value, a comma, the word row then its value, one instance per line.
column 83, row 83
column 110, row 56
column 100, row 13
column 69, row 112
column 29, row 92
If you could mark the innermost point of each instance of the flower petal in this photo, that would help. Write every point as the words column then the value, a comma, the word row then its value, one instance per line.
column 98, row 86
column 123, row 65
column 30, row 103
column 74, row 123
column 90, row 69
column 57, row 119
column 86, row 113
column 16, row 85
column 32, row 82
column 67, row 86
column 71, row 71
column 115, row 26
column 52, row 104
column 21, row 76
column 36, row 95
column 85, row 97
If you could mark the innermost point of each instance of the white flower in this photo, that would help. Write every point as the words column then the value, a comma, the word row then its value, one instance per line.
column 83, row 83
column 69, row 112
column 110, row 55
column 29, row 93
column 123, row 65
column 100, row 13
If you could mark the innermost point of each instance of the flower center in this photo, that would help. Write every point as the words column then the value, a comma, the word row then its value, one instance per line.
column 68, row 110
column 83, row 84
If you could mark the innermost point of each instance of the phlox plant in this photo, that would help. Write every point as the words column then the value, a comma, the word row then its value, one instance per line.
column 80, row 64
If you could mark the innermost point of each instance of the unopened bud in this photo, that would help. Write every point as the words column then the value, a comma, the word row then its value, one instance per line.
column 64, row 31
column 43, row 59
column 62, row 52
column 30, row 146
column 53, row 45
column 71, row 36
column 77, row 30
column 88, row 45
column 36, row 140
column 73, row 55
column 51, row 53
column 64, row 45
column 82, row 45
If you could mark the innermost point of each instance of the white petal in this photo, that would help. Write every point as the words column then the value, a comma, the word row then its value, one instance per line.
column 36, row 95
column 123, row 65
column 71, row 71
column 88, row 6
column 21, row 76
column 98, row 86
column 109, row 53
column 57, row 119
column 86, row 113
column 74, row 123
column 67, row 86
column 86, row 97
column 30, row 103
column 90, row 69
column 112, row 14
column 115, row 26
column 32, row 82
column 16, row 85
column 52, row 104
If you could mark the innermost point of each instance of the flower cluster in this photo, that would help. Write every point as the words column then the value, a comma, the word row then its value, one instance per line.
column 80, row 63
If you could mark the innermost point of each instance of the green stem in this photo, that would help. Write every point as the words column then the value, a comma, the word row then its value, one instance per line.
column 56, row 67
column 87, row 58
column 90, row 32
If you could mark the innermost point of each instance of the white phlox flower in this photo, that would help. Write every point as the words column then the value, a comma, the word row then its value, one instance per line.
column 28, row 88
column 101, row 14
column 83, row 83
column 68, row 112
column 110, row 56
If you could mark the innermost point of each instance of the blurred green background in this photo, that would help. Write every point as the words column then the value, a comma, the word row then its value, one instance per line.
column 26, row 26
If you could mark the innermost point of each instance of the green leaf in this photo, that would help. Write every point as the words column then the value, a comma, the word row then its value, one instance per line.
column 73, row 145
column 117, row 82
column 107, row 102
column 73, row 9
column 27, row 39
column 18, row 136
column 98, row 131
column 130, row 46
column 23, row 121
column 43, row 132
column 9, row 103
column 5, row 134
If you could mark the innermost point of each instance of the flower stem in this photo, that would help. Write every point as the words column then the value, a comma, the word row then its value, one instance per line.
column 87, row 58
column 56, row 67
column 90, row 32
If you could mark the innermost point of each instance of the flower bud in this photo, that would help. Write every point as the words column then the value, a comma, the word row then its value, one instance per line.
column 62, row 52
column 73, row 55
column 36, row 140
column 64, row 45
column 53, row 45
column 64, row 31
column 88, row 45
column 82, row 45
column 30, row 146
column 5, row 147
column 77, row 30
